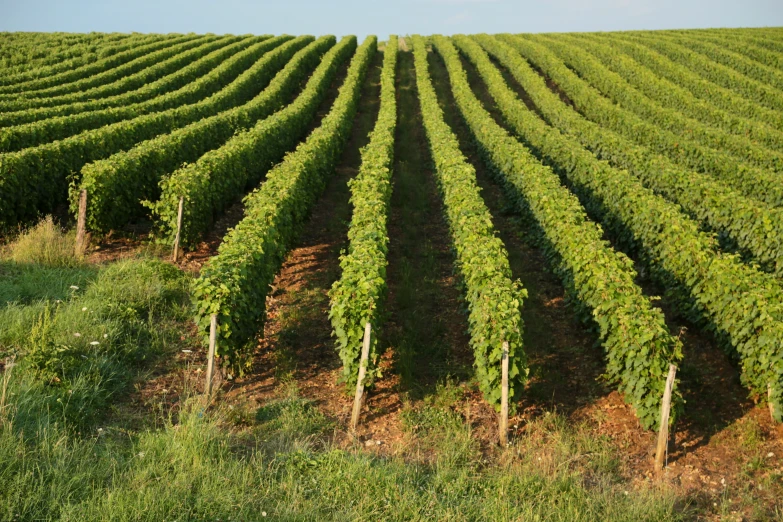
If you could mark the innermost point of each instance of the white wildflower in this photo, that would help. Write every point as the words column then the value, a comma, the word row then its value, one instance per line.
column 95, row 343
column 74, row 287
column 105, row 336
column 187, row 351
column 84, row 308
column 77, row 334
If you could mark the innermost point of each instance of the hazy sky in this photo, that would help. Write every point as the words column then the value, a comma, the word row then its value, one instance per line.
column 381, row 18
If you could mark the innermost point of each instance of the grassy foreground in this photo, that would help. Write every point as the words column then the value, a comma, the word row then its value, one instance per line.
column 67, row 452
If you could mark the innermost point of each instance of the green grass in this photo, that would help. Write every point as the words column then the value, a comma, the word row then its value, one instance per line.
column 41, row 264
column 66, row 454
column 78, row 348
column 285, row 469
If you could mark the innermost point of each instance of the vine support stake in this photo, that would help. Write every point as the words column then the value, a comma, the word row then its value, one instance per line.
column 663, row 431
column 357, row 400
column 769, row 401
column 211, row 353
column 179, row 228
column 8, row 364
column 81, row 224
column 504, row 396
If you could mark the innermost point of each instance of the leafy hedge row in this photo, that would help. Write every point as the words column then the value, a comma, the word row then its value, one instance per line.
column 21, row 52
column 494, row 300
column 132, row 75
column 104, row 52
column 118, row 184
column 68, row 50
column 758, row 40
column 18, row 137
column 714, row 94
column 672, row 96
column 36, row 179
column 747, row 47
column 727, row 77
column 722, row 54
column 751, row 181
column 235, row 282
column 98, row 68
column 753, row 226
column 160, row 64
column 33, row 50
column 637, row 342
column 743, row 305
column 216, row 180
column 615, row 87
column 358, row 296
column 188, row 85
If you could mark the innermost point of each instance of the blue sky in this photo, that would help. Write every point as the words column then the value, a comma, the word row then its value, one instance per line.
column 341, row 17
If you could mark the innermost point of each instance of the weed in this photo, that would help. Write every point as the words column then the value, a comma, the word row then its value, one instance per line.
column 45, row 244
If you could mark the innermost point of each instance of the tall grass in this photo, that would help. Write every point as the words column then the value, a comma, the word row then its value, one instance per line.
column 45, row 244
column 76, row 355
column 197, row 470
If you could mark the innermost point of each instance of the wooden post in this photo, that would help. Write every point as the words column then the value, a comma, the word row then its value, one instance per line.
column 179, row 228
column 211, row 353
column 81, row 224
column 357, row 400
column 769, row 401
column 663, row 432
column 504, row 396
column 8, row 364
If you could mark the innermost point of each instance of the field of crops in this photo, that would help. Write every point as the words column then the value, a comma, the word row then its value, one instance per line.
column 539, row 223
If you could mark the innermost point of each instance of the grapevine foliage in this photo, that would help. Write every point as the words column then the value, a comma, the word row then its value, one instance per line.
column 221, row 175
column 358, row 296
column 35, row 180
column 637, row 342
column 119, row 184
column 494, row 300
column 234, row 283
column 743, row 305
column 29, row 129
column 756, row 228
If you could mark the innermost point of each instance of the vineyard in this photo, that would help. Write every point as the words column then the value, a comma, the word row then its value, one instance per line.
column 466, row 252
